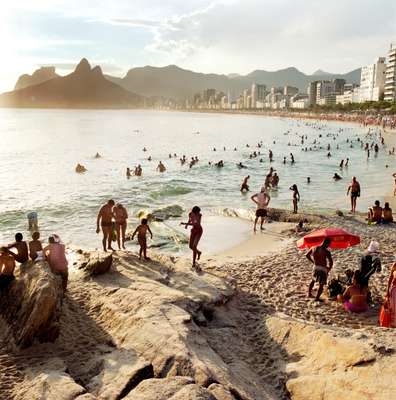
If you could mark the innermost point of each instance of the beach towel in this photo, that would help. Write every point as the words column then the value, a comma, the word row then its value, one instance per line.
column 392, row 306
column 384, row 316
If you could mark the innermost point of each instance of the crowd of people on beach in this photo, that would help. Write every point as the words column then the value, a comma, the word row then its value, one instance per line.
column 352, row 291
column 112, row 221
column 20, row 251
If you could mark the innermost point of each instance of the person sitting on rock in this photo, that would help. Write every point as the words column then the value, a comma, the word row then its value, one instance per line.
column 355, row 296
column 7, row 267
column 387, row 214
column 374, row 214
column 21, row 246
column 35, row 247
column 56, row 257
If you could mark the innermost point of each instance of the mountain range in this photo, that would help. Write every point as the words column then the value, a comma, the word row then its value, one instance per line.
column 88, row 87
column 85, row 87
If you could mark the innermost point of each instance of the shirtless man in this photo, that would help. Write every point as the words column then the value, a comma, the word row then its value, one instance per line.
column 21, row 246
column 120, row 216
column 245, row 185
column 105, row 216
column 7, row 266
column 161, row 167
column 35, row 246
column 354, row 189
column 262, row 200
column 319, row 256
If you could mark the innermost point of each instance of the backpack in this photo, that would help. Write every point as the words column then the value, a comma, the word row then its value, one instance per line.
column 369, row 265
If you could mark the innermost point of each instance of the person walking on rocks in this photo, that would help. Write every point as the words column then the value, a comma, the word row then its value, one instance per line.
column 320, row 256
column 105, row 219
column 194, row 220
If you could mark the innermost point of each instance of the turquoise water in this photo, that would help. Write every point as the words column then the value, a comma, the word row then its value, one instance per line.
column 40, row 148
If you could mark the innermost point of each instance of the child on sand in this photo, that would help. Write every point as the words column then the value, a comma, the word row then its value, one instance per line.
column 141, row 232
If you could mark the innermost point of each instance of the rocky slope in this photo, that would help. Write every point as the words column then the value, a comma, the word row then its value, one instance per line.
column 157, row 330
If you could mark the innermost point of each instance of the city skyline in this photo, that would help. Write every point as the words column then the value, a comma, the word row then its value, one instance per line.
column 202, row 36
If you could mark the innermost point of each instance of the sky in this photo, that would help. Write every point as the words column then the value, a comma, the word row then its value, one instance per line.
column 219, row 36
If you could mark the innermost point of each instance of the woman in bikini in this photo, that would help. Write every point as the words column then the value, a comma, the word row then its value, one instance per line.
column 355, row 296
column 194, row 220
column 296, row 198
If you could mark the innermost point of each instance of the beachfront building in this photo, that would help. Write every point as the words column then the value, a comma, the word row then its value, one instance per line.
column 300, row 100
column 351, row 94
column 311, row 91
column 257, row 94
column 372, row 81
column 390, row 75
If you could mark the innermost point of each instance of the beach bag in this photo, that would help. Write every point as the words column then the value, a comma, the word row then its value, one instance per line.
column 384, row 316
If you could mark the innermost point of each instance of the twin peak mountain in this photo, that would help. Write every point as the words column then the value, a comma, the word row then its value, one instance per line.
column 88, row 87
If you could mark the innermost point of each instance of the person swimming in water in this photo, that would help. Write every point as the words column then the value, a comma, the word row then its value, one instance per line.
column 245, row 186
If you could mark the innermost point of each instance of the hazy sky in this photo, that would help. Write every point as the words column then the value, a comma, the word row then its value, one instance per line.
column 221, row 36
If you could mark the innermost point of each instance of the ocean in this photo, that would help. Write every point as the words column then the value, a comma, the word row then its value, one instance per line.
column 39, row 150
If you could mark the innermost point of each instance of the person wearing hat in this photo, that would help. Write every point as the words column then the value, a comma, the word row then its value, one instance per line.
column 56, row 256
column 370, row 262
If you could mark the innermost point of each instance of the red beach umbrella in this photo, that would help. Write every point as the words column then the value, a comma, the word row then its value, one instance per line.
column 340, row 239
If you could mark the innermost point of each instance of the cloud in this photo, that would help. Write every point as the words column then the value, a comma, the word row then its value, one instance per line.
column 244, row 35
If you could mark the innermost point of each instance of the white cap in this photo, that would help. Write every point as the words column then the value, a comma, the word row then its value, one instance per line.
column 373, row 247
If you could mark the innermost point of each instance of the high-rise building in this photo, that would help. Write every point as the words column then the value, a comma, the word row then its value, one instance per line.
column 290, row 91
column 257, row 93
column 372, row 81
column 390, row 75
column 339, row 85
column 323, row 89
column 311, row 91
column 208, row 94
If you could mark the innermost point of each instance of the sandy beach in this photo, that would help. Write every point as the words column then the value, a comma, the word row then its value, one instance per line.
column 262, row 282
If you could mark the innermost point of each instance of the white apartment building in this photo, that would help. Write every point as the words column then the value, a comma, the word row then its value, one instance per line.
column 390, row 75
column 258, row 93
column 372, row 81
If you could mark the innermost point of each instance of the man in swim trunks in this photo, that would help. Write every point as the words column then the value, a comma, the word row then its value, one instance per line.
column 319, row 256
column 7, row 266
column 21, row 246
column 245, row 186
column 262, row 200
column 105, row 217
column 354, row 189
column 120, row 216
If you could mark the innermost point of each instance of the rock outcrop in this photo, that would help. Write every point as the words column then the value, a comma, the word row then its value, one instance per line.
column 32, row 304
column 98, row 263
column 334, row 364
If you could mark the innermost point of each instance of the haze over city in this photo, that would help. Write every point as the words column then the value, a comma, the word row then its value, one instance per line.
column 225, row 36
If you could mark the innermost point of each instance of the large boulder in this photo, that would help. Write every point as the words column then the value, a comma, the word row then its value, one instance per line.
column 122, row 370
column 334, row 364
column 99, row 263
column 32, row 304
